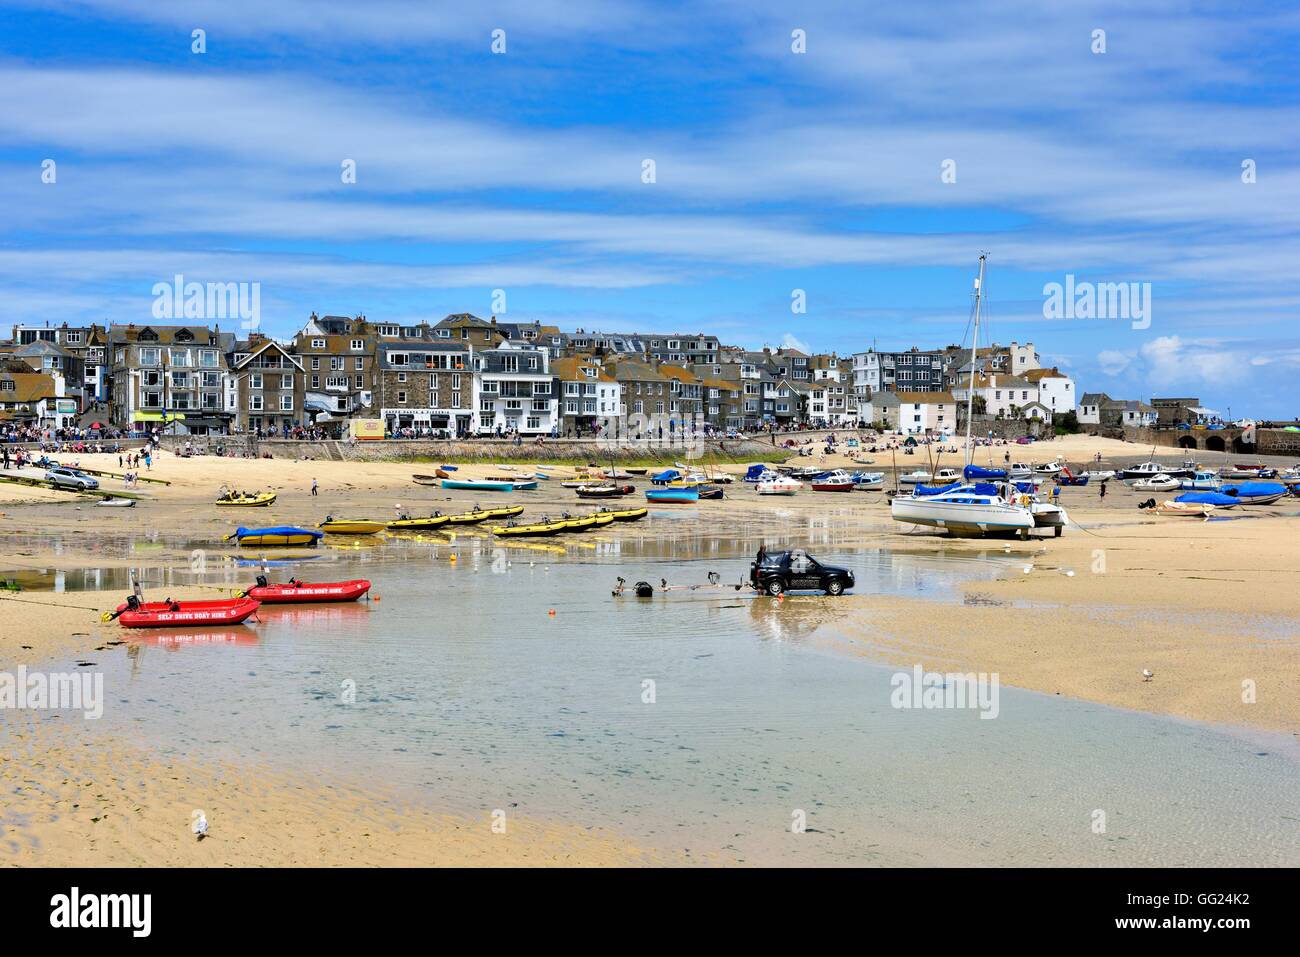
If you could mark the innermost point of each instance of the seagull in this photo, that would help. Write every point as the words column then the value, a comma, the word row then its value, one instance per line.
column 1147, row 674
column 200, row 826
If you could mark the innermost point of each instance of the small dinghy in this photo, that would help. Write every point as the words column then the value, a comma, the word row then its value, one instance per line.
column 1156, row 483
column 1185, row 509
column 247, row 501
column 295, row 592
column 604, row 491
column 478, row 486
column 672, row 496
column 626, row 514
column 535, row 529
column 425, row 479
column 350, row 526
column 134, row 613
column 115, row 502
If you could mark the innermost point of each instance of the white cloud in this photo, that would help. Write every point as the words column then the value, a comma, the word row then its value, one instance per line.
column 1114, row 362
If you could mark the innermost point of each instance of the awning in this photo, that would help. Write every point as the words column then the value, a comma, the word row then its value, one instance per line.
column 156, row 416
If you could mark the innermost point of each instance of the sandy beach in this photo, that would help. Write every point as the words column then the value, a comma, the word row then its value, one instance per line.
column 1207, row 606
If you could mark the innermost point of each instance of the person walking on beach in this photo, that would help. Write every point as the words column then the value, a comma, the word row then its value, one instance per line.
column 314, row 488
column 1103, row 489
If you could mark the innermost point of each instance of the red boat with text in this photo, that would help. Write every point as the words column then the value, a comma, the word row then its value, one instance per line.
column 134, row 613
column 295, row 592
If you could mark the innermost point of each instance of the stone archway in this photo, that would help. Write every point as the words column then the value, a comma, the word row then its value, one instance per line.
column 1215, row 443
column 1241, row 447
column 1187, row 442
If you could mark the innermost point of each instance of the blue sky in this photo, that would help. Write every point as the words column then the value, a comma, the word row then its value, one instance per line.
column 775, row 171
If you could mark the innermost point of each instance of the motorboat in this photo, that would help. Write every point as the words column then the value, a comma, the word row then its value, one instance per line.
column 780, row 485
column 1148, row 470
column 916, row 477
column 1019, row 470
column 1201, row 482
column 175, row 614
column 1100, row 475
column 868, row 481
column 1050, row 468
column 836, row 480
column 1155, row 483
column 626, row 514
column 604, row 491
column 1255, row 493
column 295, row 592
column 759, row 473
column 946, row 476
column 1174, row 509
column 246, row 501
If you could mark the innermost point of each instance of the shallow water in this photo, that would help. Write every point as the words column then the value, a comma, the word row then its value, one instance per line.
column 471, row 695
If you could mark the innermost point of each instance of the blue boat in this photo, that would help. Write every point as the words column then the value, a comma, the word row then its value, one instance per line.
column 1064, row 479
column 939, row 489
column 277, row 536
column 1255, row 493
column 666, row 476
column 1208, row 498
column 972, row 472
column 672, row 496
column 476, row 486
column 759, row 473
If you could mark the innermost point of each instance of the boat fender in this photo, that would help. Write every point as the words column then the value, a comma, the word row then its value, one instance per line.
column 643, row 590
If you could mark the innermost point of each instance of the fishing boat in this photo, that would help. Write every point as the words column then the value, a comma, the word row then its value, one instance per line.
column 278, row 536
column 1176, row 509
column 294, row 592
column 1050, row 468
column 780, row 485
column 759, row 473
column 836, row 480
column 1201, row 482
column 350, row 526
column 916, row 477
column 1148, row 470
column 806, row 472
column 1255, row 493
column 477, row 485
column 115, row 503
column 627, row 514
column 173, row 614
column 1019, row 470
column 672, row 496
column 946, row 476
column 247, row 501
column 1154, row 483
column 604, row 491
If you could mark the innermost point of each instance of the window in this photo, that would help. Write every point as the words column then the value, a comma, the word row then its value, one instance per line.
column 286, row 401
column 455, row 399
column 360, row 382
column 255, row 380
column 401, row 377
column 208, row 358
column 315, row 382
column 315, row 362
column 401, row 398
column 358, row 345
column 534, row 422
column 336, row 363
column 286, row 381
column 359, row 363
column 150, row 357
column 318, row 343
column 255, row 403
column 152, row 400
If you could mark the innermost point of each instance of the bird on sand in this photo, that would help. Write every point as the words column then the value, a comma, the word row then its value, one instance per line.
column 1147, row 674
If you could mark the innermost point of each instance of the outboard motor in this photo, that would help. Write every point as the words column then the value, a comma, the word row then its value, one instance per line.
column 261, row 581
column 643, row 590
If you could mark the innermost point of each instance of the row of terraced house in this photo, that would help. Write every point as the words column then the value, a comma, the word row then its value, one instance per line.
column 465, row 375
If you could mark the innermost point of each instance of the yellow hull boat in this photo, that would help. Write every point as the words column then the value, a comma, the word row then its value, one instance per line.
column 539, row 529
column 418, row 524
column 338, row 526
column 248, row 501
column 628, row 514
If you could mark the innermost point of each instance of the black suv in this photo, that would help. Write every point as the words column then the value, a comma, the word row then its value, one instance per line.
column 777, row 572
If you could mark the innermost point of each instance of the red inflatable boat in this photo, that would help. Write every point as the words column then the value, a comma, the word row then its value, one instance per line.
column 296, row 592
column 177, row 614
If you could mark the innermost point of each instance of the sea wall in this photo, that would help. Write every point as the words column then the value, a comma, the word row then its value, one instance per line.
column 486, row 450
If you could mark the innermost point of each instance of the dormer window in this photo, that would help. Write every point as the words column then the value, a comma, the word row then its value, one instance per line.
column 358, row 345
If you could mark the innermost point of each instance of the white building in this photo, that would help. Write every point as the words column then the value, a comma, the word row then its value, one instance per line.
column 514, row 391
column 920, row 412
column 1055, row 389
column 1004, row 396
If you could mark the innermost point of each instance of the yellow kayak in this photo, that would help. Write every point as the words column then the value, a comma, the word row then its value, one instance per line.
column 248, row 501
column 415, row 524
column 340, row 526
column 537, row 529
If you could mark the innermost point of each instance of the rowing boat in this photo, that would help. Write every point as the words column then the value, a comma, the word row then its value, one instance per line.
column 299, row 592
column 474, row 485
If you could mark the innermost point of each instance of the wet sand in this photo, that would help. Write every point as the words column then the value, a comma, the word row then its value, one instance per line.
column 1205, row 605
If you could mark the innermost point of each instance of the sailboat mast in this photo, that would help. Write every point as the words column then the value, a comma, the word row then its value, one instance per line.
column 974, row 345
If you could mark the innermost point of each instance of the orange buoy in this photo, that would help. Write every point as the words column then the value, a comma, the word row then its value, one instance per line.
column 551, row 612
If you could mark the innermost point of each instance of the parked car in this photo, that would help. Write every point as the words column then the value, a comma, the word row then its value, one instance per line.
column 796, row 570
column 64, row 477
